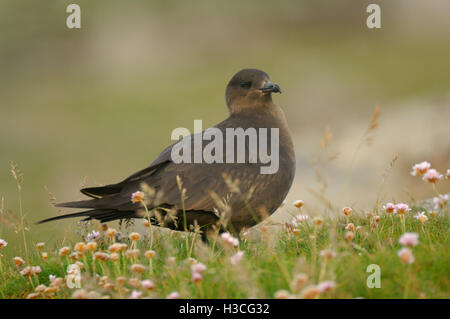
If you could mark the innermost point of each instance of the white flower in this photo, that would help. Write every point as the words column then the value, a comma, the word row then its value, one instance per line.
column 420, row 168
column 137, row 197
column 94, row 235
column 389, row 208
column 3, row 243
column 173, row 295
column 421, row 217
column 409, row 239
column 402, row 209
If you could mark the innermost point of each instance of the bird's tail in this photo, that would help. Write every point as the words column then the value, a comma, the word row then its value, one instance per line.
column 103, row 215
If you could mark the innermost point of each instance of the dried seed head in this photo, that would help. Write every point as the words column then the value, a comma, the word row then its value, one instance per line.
column 18, row 261
column 318, row 221
column 347, row 211
column 298, row 203
column 135, row 236
column 64, row 251
column 299, row 281
column 137, row 197
column 150, row 254
column 310, row 292
column 40, row 246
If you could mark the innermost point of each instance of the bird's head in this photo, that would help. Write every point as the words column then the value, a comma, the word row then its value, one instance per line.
column 249, row 87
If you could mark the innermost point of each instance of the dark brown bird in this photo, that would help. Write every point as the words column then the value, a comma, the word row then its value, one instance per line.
column 237, row 194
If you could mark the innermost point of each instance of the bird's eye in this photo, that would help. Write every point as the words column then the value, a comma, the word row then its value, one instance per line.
column 246, row 85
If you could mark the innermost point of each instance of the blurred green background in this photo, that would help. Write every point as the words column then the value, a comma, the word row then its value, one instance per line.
column 100, row 102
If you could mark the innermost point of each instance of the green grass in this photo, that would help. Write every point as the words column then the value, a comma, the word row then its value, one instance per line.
column 272, row 258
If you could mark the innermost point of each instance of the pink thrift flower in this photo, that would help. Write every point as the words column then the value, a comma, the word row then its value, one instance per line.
column 135, row 294
column 432, row 176
column 409, row 239
column 173, row 295
column 236, row 258
column 389, row 208
column 3, row 243
column 326, row 286
column 229, row 239
column 198, row 267
column 402, row 209
column 447, row 175
column 148, row 284
column 36, row 270
column 420, row 168
column 298, row 203
column 299, row 219
column 406, row 255
column 137, row 197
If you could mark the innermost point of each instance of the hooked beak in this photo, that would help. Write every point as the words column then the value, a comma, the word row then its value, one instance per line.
column 270, row 87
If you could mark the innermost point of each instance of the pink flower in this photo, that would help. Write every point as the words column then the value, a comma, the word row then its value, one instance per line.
column 409, row 239
column 432, row 176
column 230, row 239
column 299, row 219
column 236, row 258
column 389, row 208
column 406, row 255
column 447, row 175
column 135, row 294
column 420, row 169
column 148, row 284
column 36, row 270
column 173, row 295
column 94, row 235
column 137, row 197
column 326, row 286
column 198, row 267
column 197, row 277
column 402, row 209
column 3, row 243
